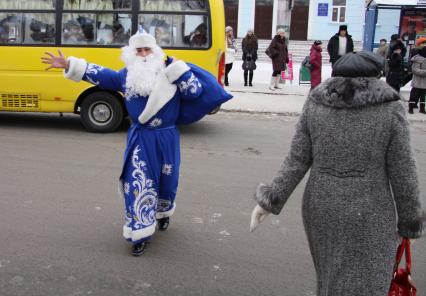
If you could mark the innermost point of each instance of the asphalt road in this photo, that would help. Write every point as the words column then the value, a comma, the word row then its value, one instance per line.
column 61, row 218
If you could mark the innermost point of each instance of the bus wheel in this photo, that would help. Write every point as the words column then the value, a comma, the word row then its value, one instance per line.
column 101, row 112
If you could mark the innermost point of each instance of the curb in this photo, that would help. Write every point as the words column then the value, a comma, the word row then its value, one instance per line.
column 292, row 114
column 276, row 93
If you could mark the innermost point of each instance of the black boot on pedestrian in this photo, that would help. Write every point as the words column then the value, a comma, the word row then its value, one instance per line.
column 245, row 78
column 163, row 223
column 410, row 109
column 250, row 79
column 139, row 248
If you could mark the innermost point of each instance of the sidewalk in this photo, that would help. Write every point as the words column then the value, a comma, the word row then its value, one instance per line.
column 287, row 101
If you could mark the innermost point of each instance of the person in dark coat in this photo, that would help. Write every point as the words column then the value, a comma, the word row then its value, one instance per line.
column 340, row 44
column 395, row 39
column 315, row 59
column 362, row 194
column 395, row 66
column 249, row 46
column 279, row 55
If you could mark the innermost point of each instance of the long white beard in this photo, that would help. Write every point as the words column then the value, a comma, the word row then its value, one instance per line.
column 141, row 71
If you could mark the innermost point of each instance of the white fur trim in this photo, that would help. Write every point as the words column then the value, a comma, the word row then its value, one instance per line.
column 120, row 189
column 76, row 69
column 139, row 234
column 141, row 40
column 176, row 70
column 160, row 215
column 162, row 92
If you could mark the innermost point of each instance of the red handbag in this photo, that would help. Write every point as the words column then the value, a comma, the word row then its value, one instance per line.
column 401, row 284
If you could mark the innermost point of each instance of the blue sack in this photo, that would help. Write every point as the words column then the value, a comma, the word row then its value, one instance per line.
column 212, row 96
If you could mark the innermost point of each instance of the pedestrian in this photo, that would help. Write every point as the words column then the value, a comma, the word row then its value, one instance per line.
column 340, row 44
column 395, row 39
column 231, row 50
column 418, row 84
column 383, row 47
column 278, row 49
column 395, row 61
column 249, row 47
column 315, row 59
column 155, row 92
column 353, row 135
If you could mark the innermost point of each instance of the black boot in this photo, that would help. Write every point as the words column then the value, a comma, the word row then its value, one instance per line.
column 245, row 78
column 163, row 223
column 251, row 78
column 139, row 248
column 422, row 108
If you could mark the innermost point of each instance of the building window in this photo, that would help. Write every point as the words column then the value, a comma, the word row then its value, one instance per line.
column 339, row 11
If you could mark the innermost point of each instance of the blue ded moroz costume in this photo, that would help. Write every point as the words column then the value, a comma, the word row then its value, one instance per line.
column 182, row 93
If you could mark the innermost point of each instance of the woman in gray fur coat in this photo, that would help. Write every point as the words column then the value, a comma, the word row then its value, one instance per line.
column 362, row 193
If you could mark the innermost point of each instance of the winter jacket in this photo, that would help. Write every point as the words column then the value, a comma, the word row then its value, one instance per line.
column 391, row 48
column 382, row 50
column 419, row 72
column 315, row 59
column 395, row 70
column 354, row 136
column 333, row 47
column 387, row 55
column 231, row 50
column 249, row 46
column 279, row 51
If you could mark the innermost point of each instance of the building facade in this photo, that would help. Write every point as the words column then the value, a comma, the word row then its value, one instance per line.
column 302, row 19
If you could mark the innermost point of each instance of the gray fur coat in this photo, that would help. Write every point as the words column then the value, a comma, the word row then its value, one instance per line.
column 419, row 72
column 362, row 190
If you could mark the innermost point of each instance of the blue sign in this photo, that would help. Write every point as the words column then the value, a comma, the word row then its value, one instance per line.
column 322, row 9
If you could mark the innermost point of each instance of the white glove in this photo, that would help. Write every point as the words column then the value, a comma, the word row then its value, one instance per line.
column 257, row 216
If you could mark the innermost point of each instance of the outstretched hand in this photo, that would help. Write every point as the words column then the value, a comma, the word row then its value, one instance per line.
column 257, row 216
column 55, row 61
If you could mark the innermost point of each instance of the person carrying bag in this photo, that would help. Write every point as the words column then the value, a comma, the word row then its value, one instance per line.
column 401, row 284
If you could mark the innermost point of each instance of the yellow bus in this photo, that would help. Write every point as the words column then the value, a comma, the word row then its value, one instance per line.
column 191, row 30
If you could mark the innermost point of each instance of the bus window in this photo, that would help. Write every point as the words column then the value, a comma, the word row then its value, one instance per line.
column 100, row 29
column 97, row 4
column 173, row 5
column 176, row 30
column 39, row 28
column 10, row 28
column 78, row 28
column 37, row 4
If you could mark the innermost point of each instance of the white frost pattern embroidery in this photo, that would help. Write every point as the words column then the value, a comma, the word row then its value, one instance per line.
column 128, row 217
column 156, row 122
column 167, row 169
column 126, row 188
column 93, row 69
column 192, row 85
column 145, row 196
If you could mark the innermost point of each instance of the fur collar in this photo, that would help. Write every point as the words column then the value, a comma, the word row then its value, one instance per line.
column 418, row 59
column 164, row 90
column 341, row 92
